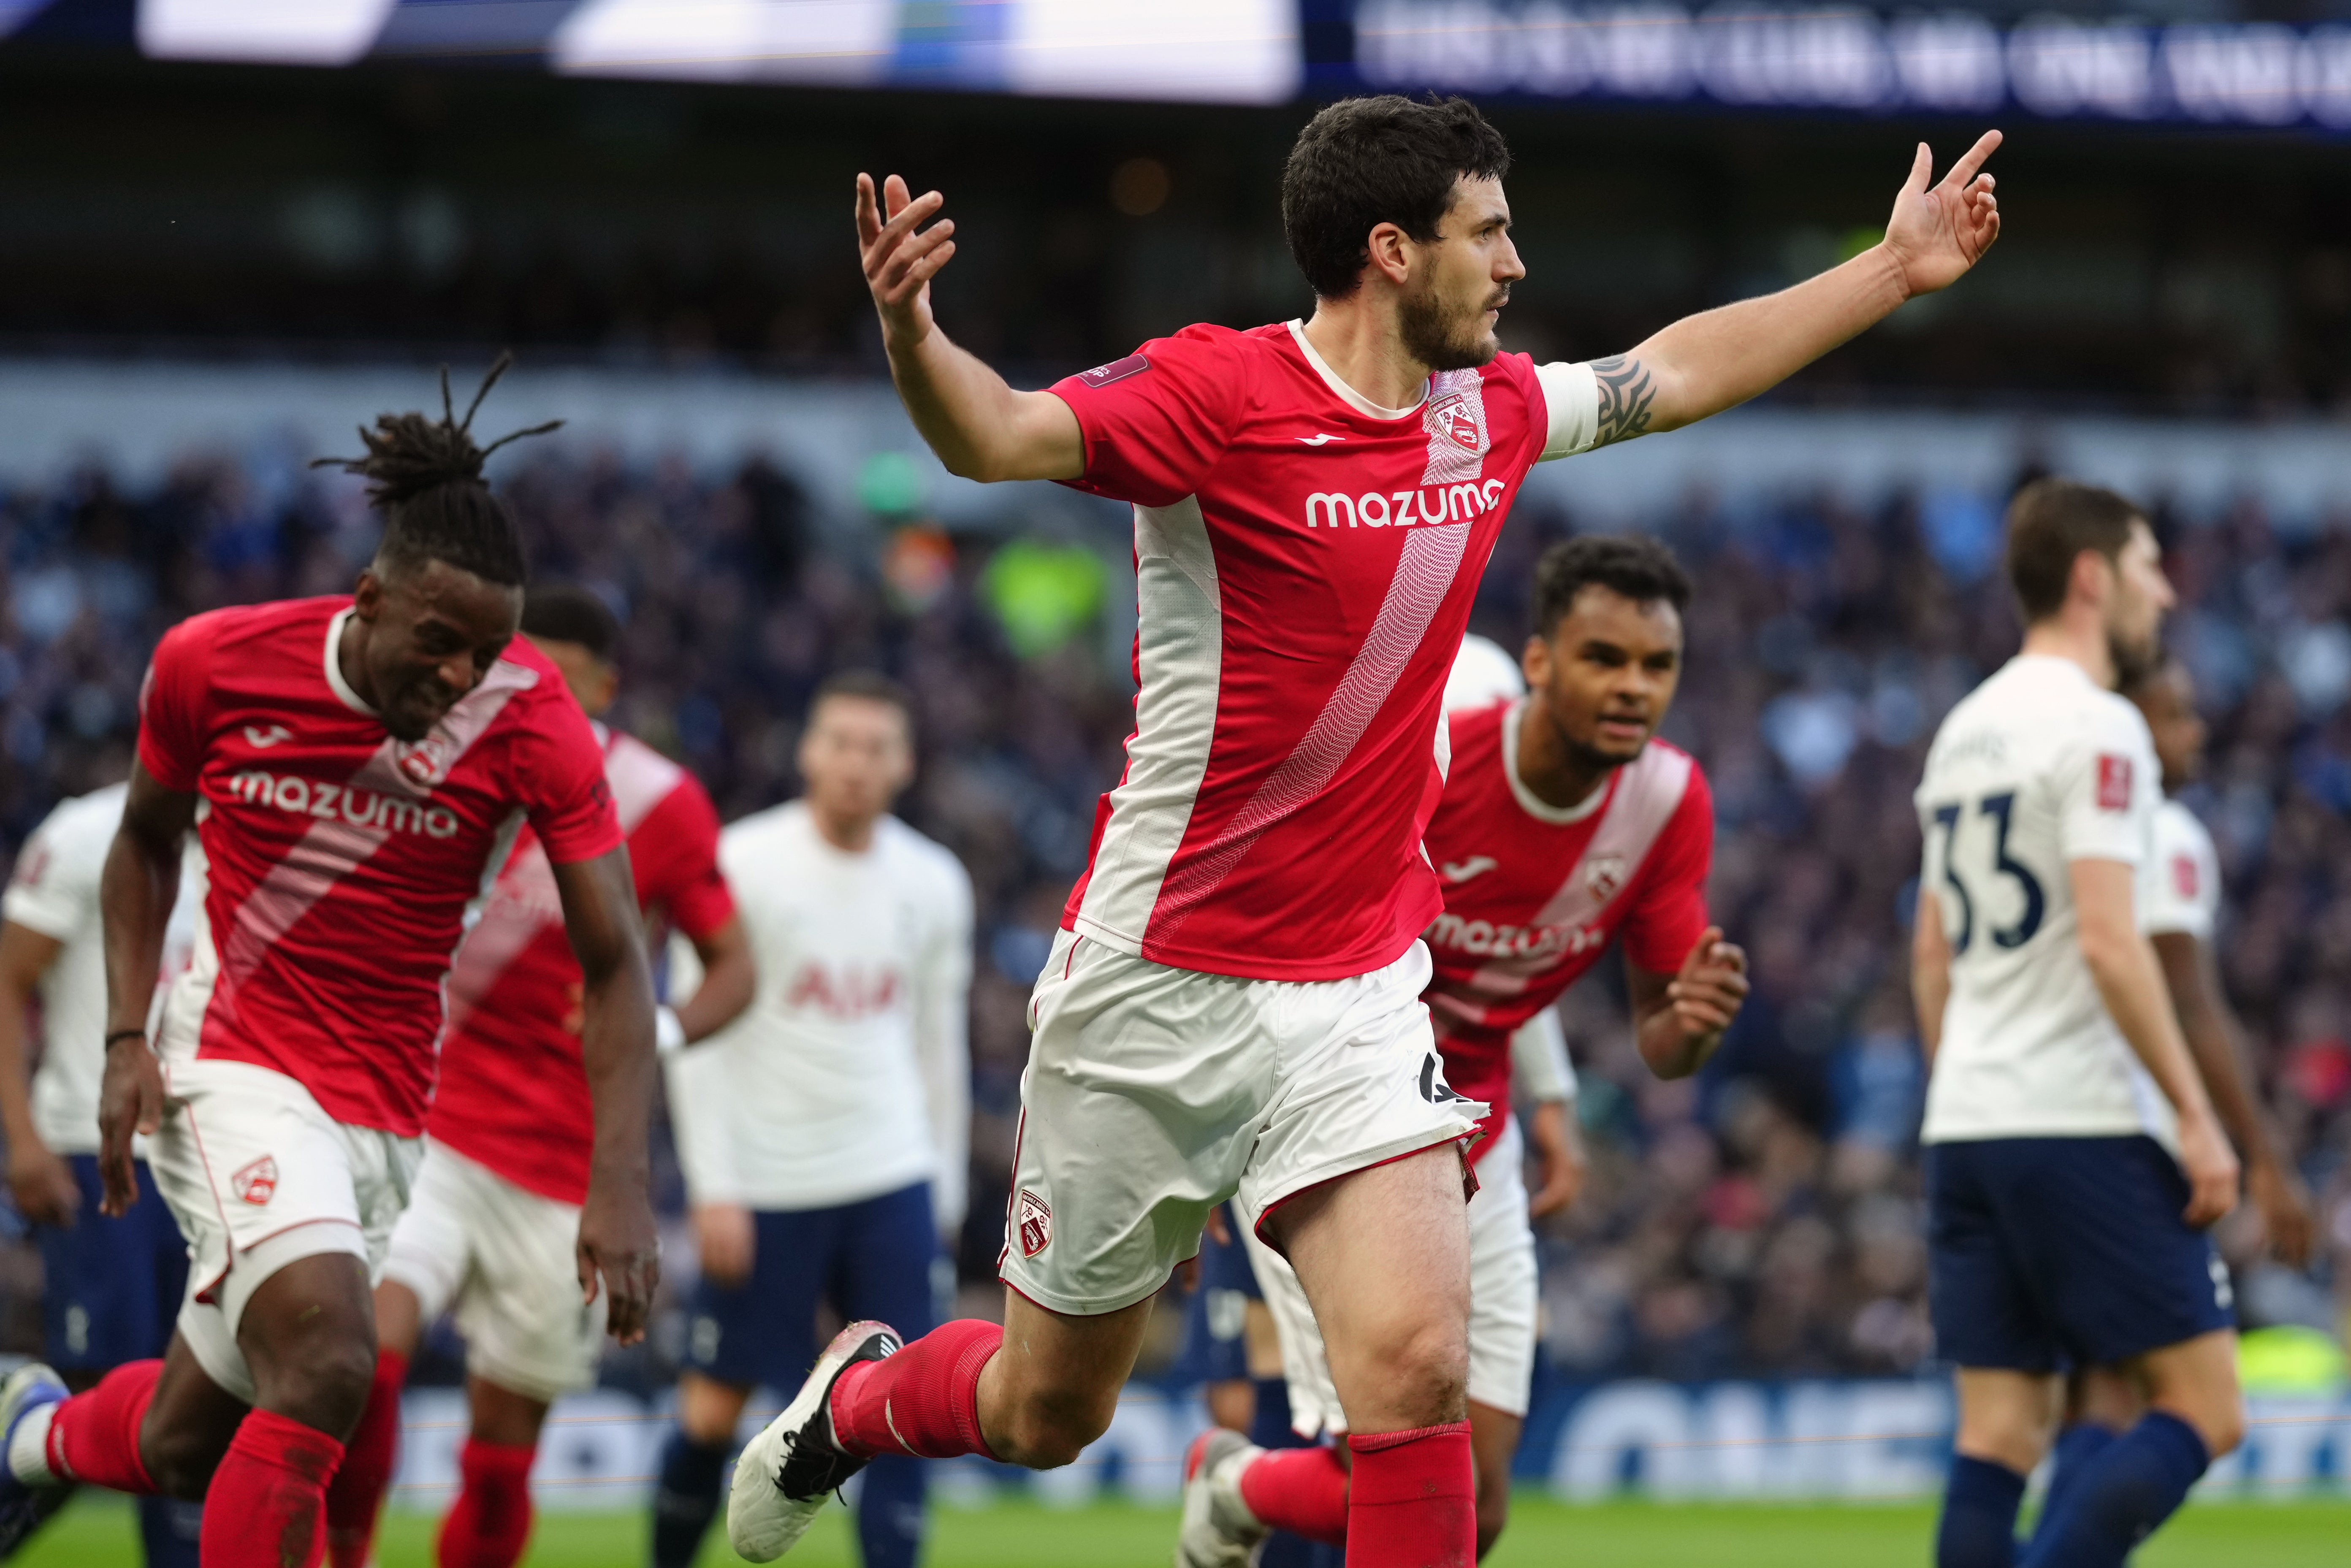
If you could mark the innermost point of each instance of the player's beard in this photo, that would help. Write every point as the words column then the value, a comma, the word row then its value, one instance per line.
column 1445, row 339
column 2134, row 658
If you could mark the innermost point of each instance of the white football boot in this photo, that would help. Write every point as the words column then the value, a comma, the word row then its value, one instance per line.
column 1218, row 1530
column 784, row 1475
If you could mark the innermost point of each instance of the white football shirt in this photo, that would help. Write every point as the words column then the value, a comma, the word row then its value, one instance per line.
column 2036, row 768
column 848, row 1076
column 2181, row 891
column 54, row 890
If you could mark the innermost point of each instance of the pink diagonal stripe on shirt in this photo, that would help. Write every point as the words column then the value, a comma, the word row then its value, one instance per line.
column 1424, row 575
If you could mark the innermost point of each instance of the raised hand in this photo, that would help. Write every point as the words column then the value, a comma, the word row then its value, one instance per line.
column 899, row 262
column 1706, row 993
column 1936, row 234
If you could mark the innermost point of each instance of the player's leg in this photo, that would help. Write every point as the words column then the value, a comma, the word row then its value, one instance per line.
column 2133, row 1287
column 889, row 1252
column 172, row 1528
column 759, row 1328
column 489, row 1525
column 2195, row 1414
column 102, row 1277
column 430, row 1250
column 1142, row 1087
column 530, row 1339
column 2006, row 1418
column 1986, row 1304
column 1505, row 1297
column 2101, row 1403
column 1384, row 1255
column 1235, row 1492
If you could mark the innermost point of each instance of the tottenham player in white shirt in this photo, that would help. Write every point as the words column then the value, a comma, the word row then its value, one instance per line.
column 826, row 1133
column 2074, row 1157
column 2181, row 910
column 111, row 1284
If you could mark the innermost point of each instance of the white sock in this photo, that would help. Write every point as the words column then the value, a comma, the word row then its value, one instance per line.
column 29, row 1447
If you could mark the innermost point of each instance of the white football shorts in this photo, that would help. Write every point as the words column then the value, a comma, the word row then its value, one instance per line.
column 1502, row 1302
column 506, row 1259
column 259, row 1176
column 1153, row 1093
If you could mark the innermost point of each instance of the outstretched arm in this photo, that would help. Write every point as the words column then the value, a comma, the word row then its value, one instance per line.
column 617, row 1239
column 1719, row 359
column 980, row 427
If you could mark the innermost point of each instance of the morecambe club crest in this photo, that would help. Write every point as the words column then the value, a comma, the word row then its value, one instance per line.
column 1460, row 426
column 1604, row 875
column 1036, row 1223
column 256, row 1182
column 425, row 763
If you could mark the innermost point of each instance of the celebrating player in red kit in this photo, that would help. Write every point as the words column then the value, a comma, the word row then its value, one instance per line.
column 1565, row 827
column 354, row 765
column 1233, row 1004
column 488, row 1230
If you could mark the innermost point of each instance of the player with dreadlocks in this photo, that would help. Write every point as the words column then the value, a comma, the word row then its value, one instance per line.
column 353, row 764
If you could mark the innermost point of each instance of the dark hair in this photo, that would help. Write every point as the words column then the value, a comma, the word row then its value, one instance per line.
column 2140, row 677
column 1365, row 161
column 2049, row 523
column 569, row 612
column 425, row 476
column 868, row 685
column 1633, row 565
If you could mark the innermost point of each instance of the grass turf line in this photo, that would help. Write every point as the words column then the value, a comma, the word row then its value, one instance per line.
column 98, row 1529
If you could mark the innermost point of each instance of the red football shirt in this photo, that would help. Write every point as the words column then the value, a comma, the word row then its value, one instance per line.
column 341, row 860
column 513, row 1094
column 1304, row 564
column 1534, row 894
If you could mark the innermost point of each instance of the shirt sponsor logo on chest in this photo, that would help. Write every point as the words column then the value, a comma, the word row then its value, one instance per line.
column 1484, row 939
column 1424, row 507
column 339, row 802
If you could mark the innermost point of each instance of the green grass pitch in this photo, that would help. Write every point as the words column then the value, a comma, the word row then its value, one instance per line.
column 97, row 1531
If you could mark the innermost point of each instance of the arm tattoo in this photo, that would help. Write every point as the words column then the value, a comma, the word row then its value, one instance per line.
column 1626, row 392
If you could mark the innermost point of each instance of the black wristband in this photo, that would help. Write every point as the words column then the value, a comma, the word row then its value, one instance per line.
column 137, row 1034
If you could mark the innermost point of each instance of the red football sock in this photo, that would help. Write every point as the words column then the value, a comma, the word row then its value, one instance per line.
column 922, row 1401
column 1414, row 1503
column 267, row 1505
column 1301, row 1490
column 94, row 1436
column 491, row 1522
column 355, row 1497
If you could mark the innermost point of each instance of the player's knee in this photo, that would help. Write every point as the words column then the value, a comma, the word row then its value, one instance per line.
column 1046, row 1431
column 180, row 1458
column 321, row 1380
column 1423, row 1372
column 2222, row 1427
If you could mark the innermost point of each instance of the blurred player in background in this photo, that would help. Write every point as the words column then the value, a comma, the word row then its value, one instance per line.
column 357, row 767
column 825, row 1134
column 1233, row 1006
column 110, row 1284
column 1564, row 825
column 2181, row 912
column 490, row 1227
column 2075, row 1159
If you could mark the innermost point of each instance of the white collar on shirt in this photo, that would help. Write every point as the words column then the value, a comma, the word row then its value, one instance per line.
column 1348, row 394
column 335, row 681
column 1534, row 805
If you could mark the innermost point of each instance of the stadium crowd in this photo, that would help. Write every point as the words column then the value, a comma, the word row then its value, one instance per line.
column 1764, row 1220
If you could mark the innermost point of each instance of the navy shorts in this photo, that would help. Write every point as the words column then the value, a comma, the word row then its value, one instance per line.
column 879, row 1259
column 1215, row 1348
column 112, row 1287
column 2050, row 1254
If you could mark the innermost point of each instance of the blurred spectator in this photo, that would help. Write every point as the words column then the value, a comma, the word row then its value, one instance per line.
column 1762, row 1220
